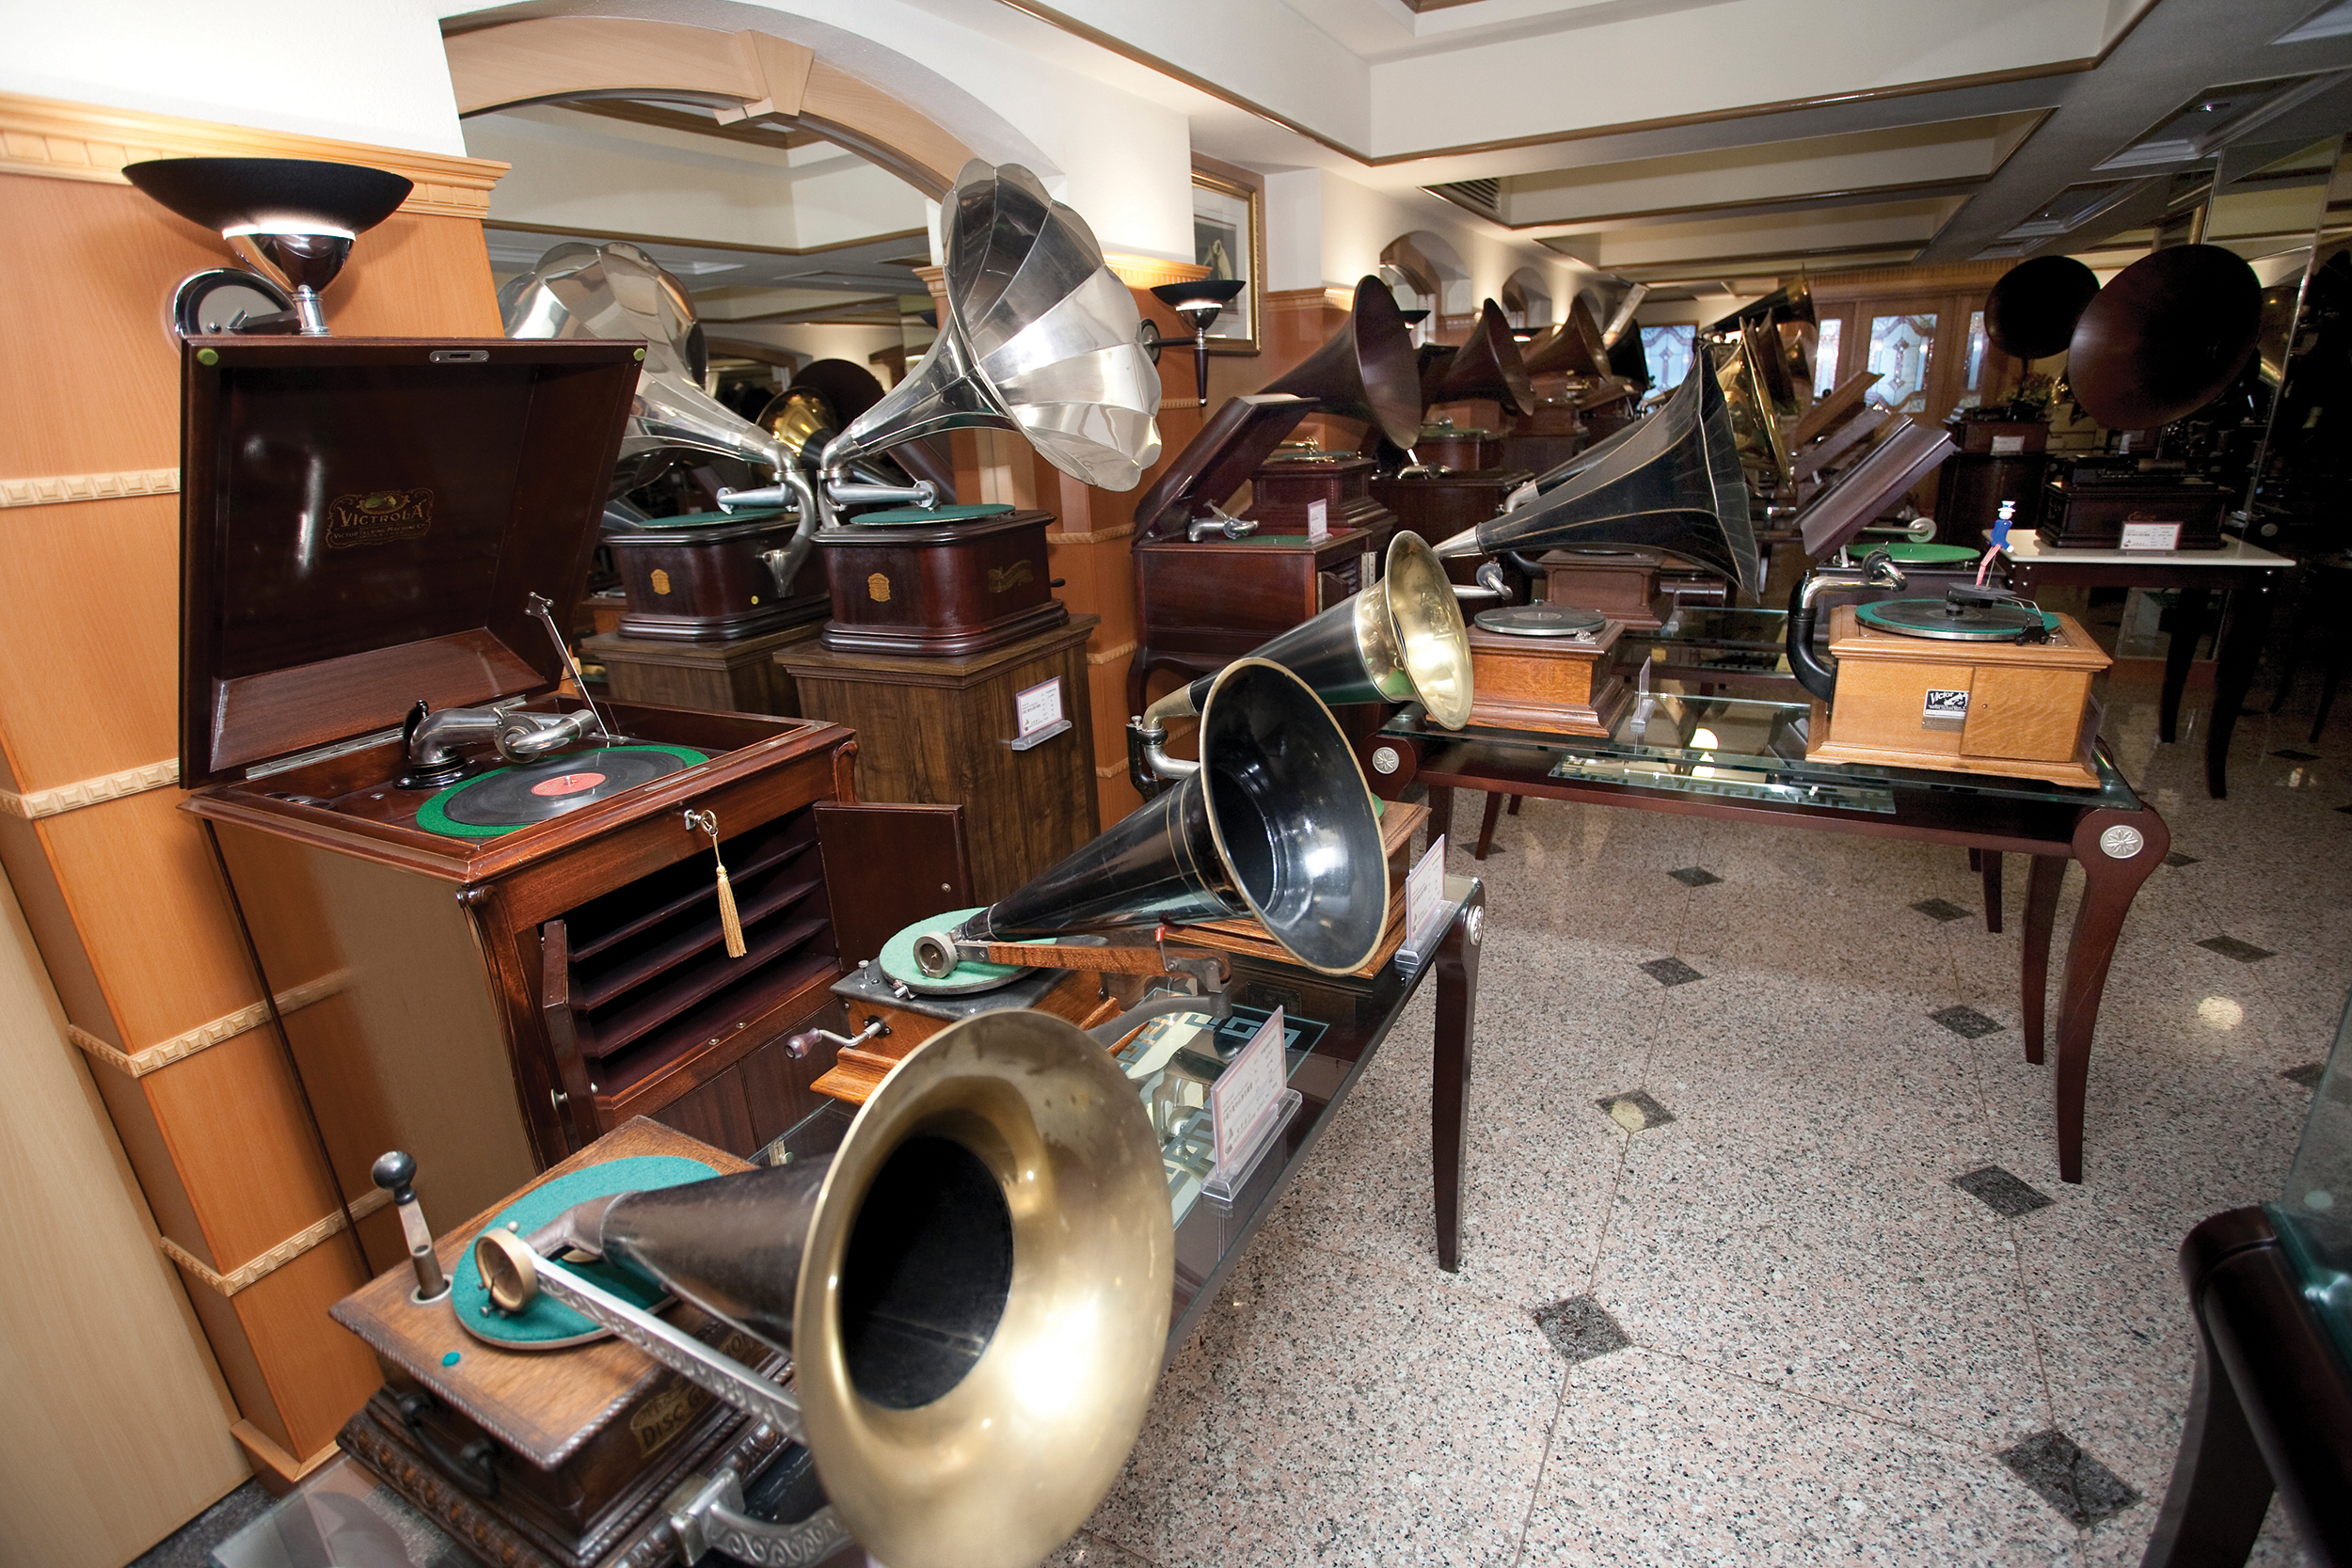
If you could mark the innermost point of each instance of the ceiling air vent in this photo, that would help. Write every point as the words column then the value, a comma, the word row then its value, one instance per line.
column 1479, row 196
column 2212, row 119
column 2072, row 208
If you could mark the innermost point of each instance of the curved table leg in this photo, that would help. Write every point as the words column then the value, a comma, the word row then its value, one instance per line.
column 2188, row 624
column 1449, row 1070
column 2042, row 883
column 2117, row 850
column 2233, row 673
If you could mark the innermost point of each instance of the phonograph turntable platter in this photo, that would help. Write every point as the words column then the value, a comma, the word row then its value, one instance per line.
column 507, row 799
column 1948, row 622
column 1541, row 620
column 967, row 978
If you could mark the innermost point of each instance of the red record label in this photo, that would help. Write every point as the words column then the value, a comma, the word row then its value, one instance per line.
column 568, row 783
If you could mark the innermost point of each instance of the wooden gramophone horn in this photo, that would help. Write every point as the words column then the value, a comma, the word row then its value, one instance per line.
column 2032, row 310
column 1487, row 365
column 2165, row 337
column 1575, row 349
column 1365, row 370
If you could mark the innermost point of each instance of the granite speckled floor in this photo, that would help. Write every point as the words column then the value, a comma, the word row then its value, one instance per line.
column 1838, row 1307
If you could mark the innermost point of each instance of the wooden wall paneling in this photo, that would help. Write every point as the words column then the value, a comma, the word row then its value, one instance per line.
column 118, row 1426
column 121, row 894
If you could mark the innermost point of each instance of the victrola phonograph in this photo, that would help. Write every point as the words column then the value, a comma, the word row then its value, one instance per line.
column 491, row 916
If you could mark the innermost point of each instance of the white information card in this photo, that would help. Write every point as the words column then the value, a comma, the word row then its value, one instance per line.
column 1038, row 712
column 1425, row 906
column 1248, row 1104
column 1318, row 519
column 2152, row 536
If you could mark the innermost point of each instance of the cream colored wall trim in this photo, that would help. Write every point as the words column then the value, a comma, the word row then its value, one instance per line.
column 1111, row 655
column 1148, row 271
column 179, row 1047
column 1310, row 299
column 278, row 1257
column 83, row 141
column 89, row 487
column 1098, row 536
column 88, row 792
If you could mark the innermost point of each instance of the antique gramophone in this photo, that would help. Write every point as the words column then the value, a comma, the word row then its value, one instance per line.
column 1450, row 480
column 1670, row 483
column 1211, row 585
column 956, row 1319
column 1572, row 377
column 296, row 218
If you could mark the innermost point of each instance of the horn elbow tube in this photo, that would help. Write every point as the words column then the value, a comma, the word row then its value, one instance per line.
column 1813, row 673
column 1183, row 702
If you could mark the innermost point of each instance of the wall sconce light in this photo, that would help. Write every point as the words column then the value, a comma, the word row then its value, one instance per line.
column 1201, row 303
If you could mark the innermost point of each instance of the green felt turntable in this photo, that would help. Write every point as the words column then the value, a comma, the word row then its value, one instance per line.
column 507, row 799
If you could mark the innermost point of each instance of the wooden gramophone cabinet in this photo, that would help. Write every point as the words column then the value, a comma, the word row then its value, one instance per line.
column 488, row 1004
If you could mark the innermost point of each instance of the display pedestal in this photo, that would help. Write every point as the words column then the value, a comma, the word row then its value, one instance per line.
column 1206, row 605
column 944, row 731
column 737, row 676
column 1970, row 490
column 1439, row 506
column 1557, row 685
column 1543, row 440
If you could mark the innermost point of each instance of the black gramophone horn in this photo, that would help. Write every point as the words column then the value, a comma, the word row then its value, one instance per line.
column 1670, row 481
column 1487, row 365
column 2165, row 337
column 2032, row 310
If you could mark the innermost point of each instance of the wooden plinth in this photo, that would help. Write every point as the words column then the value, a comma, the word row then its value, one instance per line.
column 740, row 675
column 1208, row 603
column 2028, row 713
column 942, row 730
column 1439, row 506
column 1557, row 685
column 1622, row 585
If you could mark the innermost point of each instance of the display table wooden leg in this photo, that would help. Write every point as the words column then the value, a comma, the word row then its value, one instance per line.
column 2188, row 624
column 1449, row 1070
column 1514, row 808
column 2043, row 882
column 2234, row 658
column 1993, row 891
column 2220, row 1488
column 1440, row 814
column 1487, row 824
column 2117, row 850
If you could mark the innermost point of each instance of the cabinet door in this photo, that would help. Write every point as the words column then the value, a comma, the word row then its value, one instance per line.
column 888, row 866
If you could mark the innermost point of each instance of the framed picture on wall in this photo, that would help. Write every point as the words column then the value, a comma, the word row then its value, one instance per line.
column 1229, row 239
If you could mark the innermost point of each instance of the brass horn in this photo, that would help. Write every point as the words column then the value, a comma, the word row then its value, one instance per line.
column 974, row 1291
column 1487, row 365
column 2165, row 337
column 1037, row 336
column 1669, row 482
column 1275, row 821
column 1400, row 641
column 1747, row 395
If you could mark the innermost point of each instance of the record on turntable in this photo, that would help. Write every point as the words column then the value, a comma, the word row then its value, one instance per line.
column 1953, row 619
column 1541, row 620
column 507, row 799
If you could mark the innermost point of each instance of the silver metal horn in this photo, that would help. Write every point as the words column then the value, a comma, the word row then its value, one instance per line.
column 1274, row 821
column 973, row 1291
column 1038, row 336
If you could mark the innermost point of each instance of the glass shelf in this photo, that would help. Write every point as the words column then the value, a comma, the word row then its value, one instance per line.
column 2315, row 1217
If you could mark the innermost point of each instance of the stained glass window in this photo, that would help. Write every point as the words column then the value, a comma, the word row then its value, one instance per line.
column 1668, row 351
column 1826, row 357
column 1973, row 393
column 1903, row 349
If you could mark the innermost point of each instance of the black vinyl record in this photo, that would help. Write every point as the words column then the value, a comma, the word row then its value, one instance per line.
column 517, row 796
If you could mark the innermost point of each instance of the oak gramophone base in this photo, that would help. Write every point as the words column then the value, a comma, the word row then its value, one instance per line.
column 1622, row 585
column 1557, row 684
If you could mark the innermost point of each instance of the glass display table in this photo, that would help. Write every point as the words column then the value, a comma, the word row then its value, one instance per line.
column 2271, row 1404
column 1743, row 759
column 342, row 1517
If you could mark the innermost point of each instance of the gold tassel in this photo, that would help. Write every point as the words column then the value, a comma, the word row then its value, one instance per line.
column 729, row 922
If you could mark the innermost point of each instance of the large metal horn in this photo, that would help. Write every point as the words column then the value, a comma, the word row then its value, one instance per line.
column 2165, row 337
column 1487, row 365
column 1365, row 370
column 1748, row 394
column 973, row 1291
column 2032, row 310
column 1275, row 821
column 1038, row 336
column 1670, row 481
column 1400, row 641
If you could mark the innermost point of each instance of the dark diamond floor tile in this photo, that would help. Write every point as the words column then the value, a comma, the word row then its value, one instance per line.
column 2067, row 1478
column 2309, row 1074
column 2230, row 947
column 1635, row 1111
column 2293, row 755
column 2177, row 859
column 1695, row 876
column 1939, row 909
column 1967, row 1021
column 1580, row 1328
column 2004, row 1194
column 1671, row 972
column 2345, row 808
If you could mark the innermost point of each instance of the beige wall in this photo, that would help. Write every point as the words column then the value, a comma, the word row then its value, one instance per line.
column 119, row 1430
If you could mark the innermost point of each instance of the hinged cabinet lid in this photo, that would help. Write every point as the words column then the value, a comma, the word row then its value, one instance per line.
column 363, row 519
